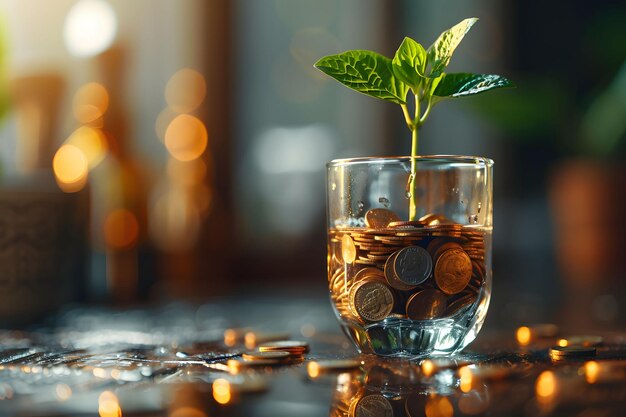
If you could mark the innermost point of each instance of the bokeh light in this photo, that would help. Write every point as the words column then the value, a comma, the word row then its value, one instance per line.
column 121, row 229
column 90, row 103
column 108, row 405
column 465, row 374
column 427, row 367
column 591, row 372
column 185, row 91
column 90, row 27
column 546, row 386
column 91, row 142
column 186, row 137
column 62, row 392
column 437, row 406
column 523, row 336
column 313, row 369
column 174, row 221
column 187, row 412
column 221, row 391
column 70, row 168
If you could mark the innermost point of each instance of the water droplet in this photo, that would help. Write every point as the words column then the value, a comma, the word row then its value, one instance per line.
column 473, row 218
column 334, row 187
column 407, row 194
column 479, row 206
column 462, row 201
column 360, row 205
column 384, row 201
column 456, row 190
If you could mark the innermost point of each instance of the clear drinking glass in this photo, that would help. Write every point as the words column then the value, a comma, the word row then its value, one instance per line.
column 410, row 288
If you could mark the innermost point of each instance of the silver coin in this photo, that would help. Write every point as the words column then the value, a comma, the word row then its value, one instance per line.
column 413, row 265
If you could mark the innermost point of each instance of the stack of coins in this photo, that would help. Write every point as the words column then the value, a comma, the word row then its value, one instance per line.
column 426, row 269
column 282, row 352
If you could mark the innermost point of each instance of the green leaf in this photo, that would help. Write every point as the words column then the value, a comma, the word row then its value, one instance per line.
column 409, row 63
column 441, row 50
column 366, row 72
column 465, row 84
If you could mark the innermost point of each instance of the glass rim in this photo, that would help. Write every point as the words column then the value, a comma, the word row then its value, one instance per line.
column 439, row 159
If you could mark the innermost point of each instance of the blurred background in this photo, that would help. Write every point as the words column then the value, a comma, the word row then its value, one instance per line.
column 154, row 149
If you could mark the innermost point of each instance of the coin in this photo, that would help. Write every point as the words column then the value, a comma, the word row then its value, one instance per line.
column 348, row 250
column 373, row 405
column 369, row 273
column 426, row 304
column 459, row 304
column 441, row 249
column 291, row 346
column 453, row 271
column 392, row 278
column 410, row 223
column 563, row 352
column 335, row 365
column 258, row 355
column 413, row 265
column 372, row 301
column 380, row 218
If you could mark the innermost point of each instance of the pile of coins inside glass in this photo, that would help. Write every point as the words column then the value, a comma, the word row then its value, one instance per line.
column 421, row 270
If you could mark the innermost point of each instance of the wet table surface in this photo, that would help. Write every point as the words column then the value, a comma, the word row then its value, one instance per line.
column 172, row 360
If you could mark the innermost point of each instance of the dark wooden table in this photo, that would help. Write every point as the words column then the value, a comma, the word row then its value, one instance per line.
column 165, row 361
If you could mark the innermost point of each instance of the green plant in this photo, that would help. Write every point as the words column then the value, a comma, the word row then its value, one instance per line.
column 413, row 69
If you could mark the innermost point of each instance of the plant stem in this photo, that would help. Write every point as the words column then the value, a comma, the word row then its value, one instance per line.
column 414, row 142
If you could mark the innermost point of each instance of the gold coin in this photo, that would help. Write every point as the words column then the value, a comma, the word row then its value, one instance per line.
column 562, row 352
column 453, row 271
column 373, row 405
column 258, row 355
column 348, row 250
column 380, row 218
column 285, row 345
column 403, row 224
column 441, row 249
column 426, row 304
column 373, row 301
column 369, row 273
column 337, row 365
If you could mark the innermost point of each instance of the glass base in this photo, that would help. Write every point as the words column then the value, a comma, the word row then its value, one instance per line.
column 411, row 339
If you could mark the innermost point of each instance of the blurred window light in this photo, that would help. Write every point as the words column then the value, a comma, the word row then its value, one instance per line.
column 283, row 150
column 70, row 168
column 186, row 137
column 91, row 142
column 90, row 103
column 121, row 229
column 185, row 90
column 90, row 27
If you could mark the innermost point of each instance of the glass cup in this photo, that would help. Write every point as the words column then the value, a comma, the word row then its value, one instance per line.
column 410, row 287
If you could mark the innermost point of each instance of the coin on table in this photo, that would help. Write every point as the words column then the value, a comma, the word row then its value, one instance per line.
column 372, row 405
column 453, row 271
column 258, row 355
column 335, row 365
column 426, row 304
column 372, row 301
column 413, row 265
column 348, row 250
column 566, row 352
column 379, row 218
column 392, row 278
column 291, row 346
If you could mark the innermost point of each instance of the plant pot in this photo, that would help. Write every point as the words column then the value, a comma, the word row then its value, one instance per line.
column 410, row 288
